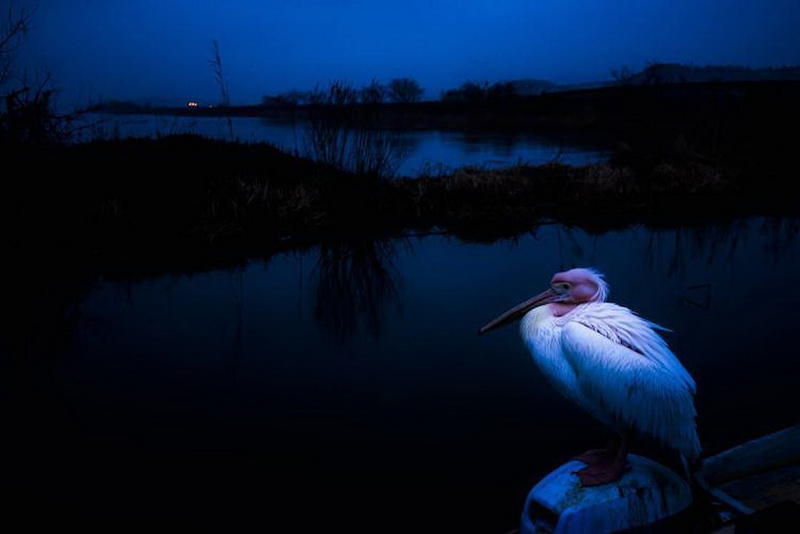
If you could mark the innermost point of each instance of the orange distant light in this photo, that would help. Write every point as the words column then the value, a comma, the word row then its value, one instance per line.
column 192, row 104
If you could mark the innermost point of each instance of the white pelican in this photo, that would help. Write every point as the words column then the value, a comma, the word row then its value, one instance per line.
column 612, row 363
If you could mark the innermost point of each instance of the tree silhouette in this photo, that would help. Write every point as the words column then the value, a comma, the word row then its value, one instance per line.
column 13, row 28
column 405, row 90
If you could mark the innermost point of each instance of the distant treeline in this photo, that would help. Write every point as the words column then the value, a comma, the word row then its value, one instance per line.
column 666, row 73
column 399, row 90
column 408, row 90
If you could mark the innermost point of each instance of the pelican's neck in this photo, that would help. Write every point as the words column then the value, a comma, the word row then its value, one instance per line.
column 540, row 331
column 537, row 318
column 560, row 309
column 550, row 315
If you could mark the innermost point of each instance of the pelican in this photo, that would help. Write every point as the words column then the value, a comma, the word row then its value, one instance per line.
column 610, row 362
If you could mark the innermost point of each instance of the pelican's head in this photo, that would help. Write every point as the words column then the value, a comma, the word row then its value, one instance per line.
column 567, row 289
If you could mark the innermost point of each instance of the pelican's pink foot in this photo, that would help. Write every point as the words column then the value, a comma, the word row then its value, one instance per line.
column 596, row 456
column 604, row 469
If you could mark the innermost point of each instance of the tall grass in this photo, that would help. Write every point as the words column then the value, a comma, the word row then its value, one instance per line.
column 344, row 132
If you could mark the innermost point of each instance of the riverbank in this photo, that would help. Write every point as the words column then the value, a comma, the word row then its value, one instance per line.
column 73, row 214
column 186, row 194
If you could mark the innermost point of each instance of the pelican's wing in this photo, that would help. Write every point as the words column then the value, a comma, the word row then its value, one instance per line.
column 621, row 325
column 633, row 389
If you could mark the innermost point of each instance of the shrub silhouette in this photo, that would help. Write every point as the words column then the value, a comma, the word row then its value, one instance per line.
column 405, row 90
column 346, row 134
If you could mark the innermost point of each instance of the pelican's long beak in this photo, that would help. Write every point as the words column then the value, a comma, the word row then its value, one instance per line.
column 519, row 310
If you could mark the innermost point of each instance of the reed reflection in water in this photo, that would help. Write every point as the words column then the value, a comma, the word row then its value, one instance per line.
column 356, row 281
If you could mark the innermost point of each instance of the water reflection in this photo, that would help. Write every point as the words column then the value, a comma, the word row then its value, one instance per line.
column 670, row 251
column 356, row 280
column 378, row 377
column 423, row 149
column 44, row 308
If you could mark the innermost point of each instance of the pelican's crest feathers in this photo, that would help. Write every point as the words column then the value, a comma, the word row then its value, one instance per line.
column 599, row 280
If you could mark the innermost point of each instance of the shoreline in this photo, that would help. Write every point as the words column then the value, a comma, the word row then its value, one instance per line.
column 193, row 196
column 598, row 113
column 73, row 215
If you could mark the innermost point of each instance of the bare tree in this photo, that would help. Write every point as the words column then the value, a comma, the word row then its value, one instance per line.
column 30, row 116
column 475, row 92
column 349, row 137
column 328, row 136
column 27, row 113
column 373, row 93
column 14, row 26
column 405, row 90
column 622, row 75
column 293, row 97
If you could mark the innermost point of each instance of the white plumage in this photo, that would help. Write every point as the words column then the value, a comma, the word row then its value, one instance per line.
column 612, row 363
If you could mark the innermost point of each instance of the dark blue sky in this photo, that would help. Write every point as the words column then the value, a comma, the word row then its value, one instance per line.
column 140, row 49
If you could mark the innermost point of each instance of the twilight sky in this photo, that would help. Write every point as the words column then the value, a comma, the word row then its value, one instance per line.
column 159, row 49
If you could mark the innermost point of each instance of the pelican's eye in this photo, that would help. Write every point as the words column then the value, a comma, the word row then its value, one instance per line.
column 561, row 287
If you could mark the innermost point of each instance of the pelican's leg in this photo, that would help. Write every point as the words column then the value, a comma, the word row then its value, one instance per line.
column 595, row 456
column 608, row 469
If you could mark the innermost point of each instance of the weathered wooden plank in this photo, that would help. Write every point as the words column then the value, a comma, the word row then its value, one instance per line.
column 756, row 456
column 766, row 489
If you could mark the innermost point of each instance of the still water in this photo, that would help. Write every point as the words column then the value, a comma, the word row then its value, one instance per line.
column 430, row 151
column 345, row 385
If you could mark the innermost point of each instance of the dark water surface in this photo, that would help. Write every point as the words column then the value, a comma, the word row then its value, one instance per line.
column 430, row 151
column 346, row 386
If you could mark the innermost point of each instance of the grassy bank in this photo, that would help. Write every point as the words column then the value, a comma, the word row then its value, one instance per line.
column 186, row 192
column 684, row 151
